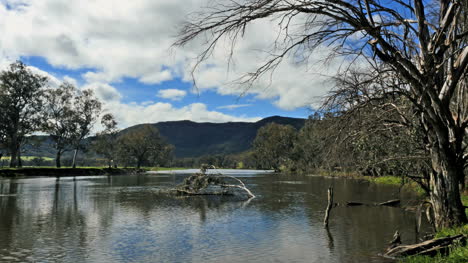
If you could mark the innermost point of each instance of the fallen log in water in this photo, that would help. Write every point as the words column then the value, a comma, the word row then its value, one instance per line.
column 430, row 247
column 394, row 202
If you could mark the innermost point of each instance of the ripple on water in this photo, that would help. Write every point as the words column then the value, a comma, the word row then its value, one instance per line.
column 127, row 220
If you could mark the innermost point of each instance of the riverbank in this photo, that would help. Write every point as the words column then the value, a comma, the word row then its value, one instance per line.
column 65, row 172
column 458, row 254
column 389, row 180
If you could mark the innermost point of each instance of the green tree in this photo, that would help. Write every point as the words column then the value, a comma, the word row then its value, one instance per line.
column 139, row 144
column 422, row 43
column 106, row 142
column 60, row 119
column 273, row 145
column 163, row 157
column 87, row 109
column 20, row 106
column 311, row 145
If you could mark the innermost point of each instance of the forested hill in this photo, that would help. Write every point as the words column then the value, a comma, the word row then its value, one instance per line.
column 192, row 139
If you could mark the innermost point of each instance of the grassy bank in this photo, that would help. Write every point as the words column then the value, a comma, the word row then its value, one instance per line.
column 388, row 180
column 458, row 254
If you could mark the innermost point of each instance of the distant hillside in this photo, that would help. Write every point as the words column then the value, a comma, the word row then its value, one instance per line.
column 193, row 139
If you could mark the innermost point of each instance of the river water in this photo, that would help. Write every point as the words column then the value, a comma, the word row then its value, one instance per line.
column 131, row 219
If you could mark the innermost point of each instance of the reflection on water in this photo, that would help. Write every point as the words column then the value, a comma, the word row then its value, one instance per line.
column 127, row 219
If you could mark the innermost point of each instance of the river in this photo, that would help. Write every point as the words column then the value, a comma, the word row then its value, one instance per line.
column 131, row 219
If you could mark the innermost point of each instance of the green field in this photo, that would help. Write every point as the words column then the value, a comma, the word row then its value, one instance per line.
column 28, row 158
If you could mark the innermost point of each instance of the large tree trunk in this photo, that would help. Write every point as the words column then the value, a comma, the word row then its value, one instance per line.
column 13, row 156
column 445, row 191
column 57, row 159
column 74, row 158
column 20, row 163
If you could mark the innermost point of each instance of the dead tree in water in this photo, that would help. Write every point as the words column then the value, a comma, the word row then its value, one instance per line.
column 329, row 206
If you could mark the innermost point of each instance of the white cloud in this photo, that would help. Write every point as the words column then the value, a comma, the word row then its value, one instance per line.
column 119, row 39
column 234, row 106
column 172, row 94
column 104, row 92
column 157, row 77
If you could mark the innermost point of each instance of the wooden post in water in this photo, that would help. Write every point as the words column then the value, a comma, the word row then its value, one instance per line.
column 329, row 206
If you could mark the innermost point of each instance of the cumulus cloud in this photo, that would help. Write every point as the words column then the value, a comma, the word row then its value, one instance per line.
column 121, row 39
column 172, row 94
column 104, row 92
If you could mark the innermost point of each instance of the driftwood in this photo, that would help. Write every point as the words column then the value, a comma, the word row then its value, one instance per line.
column 430, row 247
column 204, row 184
column 394, row 202
column 329, row 206
column 396, row 241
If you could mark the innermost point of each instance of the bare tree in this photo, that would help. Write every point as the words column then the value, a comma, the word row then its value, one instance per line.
column 20, row 106
column 423, row 42
column 381, row 127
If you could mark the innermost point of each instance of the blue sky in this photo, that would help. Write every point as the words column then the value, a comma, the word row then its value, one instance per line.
column 122, row 50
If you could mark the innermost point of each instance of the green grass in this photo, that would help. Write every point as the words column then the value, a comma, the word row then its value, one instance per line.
column 457, row 255
column 391, row 180
column 452, row 231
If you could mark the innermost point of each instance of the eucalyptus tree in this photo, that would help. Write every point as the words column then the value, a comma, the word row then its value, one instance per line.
column 60, row 117
column 87, row 109
column 140, row 143
column 20, row 106
column 273, row 145
column 424, row 43
column 106, row 141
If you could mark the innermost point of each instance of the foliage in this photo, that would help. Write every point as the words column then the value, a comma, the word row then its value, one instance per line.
column 20, row 107
column 87, row 108
column 59, row 117
column 141, row 145
column 106, row 141
column 273, row 146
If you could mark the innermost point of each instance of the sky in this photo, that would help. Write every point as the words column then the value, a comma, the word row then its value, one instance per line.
column 123, row 51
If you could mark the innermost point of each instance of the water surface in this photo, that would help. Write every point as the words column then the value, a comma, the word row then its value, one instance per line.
column 130, row 219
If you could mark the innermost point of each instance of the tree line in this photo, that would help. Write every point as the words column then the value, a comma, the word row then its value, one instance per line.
column 28, row 105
